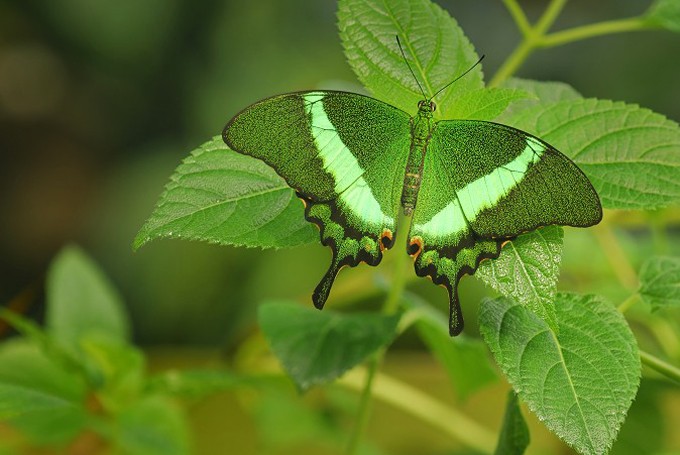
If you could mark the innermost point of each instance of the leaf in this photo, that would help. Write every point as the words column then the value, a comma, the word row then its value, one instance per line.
column 433, row 329
column 486, row 104
column 220, row 196
column 543, row 93
column 528, row 270
column 38, row 397
column 316, row 347
column 81, row 301
column 630, row 154
column 664, row 14
column 660, row 282
column 152, row 426
column 580, row 382
column 435, row 46
column 514, row 437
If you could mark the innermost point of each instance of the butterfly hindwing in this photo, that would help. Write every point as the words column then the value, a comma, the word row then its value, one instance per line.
column 344, row 154
column 483, row 184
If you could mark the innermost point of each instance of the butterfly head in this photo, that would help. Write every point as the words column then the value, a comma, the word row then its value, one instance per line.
column 426, row 107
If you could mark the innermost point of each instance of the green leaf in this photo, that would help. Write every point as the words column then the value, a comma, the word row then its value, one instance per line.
column 630, row 154
column 435, row 47
column 580, row 382
column 660, row 282
column 664, row 14
column 40, row 398
column 220, row 196
column 543, row 93
column 81, row 301
column 528, row 270
column 154, row 425
column 514, row 437
column 433, row 329
column 316, row 347
column 486, row 104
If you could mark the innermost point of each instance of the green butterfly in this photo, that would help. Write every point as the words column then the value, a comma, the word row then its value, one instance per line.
column 469, row 185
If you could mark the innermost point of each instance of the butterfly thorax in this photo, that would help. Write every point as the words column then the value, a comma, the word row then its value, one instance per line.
column 422, row 125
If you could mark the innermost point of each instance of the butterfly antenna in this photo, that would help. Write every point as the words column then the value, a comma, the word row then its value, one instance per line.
column 467, row 71
column 409, row 67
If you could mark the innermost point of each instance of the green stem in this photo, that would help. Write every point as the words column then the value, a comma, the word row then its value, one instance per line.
column 426, row 408
column 592, row 30
column 660, row 366
column 389, row 307
column 629, row 302
column 518, row 15
column 532, row 38
column 624, row 270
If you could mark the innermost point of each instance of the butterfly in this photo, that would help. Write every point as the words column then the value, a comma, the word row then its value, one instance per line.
column 469, row 186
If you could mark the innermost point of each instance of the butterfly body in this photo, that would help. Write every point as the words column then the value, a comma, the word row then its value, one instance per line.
column 469, row 186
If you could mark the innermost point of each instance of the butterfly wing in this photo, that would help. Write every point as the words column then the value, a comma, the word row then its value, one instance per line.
column 483, row 184
column 345, row 155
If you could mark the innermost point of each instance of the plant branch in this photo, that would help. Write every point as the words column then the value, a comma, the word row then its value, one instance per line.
column 658, row 365
column 549, row 16
column 519, row 17
column 389, row 307
column 593, row 30
column 617, row 257
column 629, row 302
column 428, row 409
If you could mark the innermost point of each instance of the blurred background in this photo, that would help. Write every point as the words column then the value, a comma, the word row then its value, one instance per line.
column 101, row 100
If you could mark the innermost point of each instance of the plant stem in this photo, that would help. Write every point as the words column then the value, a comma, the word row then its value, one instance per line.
column 592, row 30
column 426, row 408
column 617, row 257
column 629, row 302
column 518, row 15
column 660, row 366
column 532, row 38
column 389, row 307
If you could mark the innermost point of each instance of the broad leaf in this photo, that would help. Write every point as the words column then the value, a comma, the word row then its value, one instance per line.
column 316, row 347
column 579, row 382
column 486, row 104
column 452, row 353
column 514, row 437
column 220, row 196
column 660, row 282
column 543, row 93
column 630, row 154
column 664, row 14
column 528, row 270
column 81, row 301
column 434, row 44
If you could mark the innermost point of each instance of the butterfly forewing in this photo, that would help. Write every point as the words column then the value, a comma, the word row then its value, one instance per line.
column 345, row 155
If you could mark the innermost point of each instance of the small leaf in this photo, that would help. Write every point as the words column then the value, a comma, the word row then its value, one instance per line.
column 82, row 301
column 660, row 282
column 514, row 437
column 316, row 347
column 486, row 104
column 630, row 154
column 220, row 196
column 528, row 270
column 579, row 382
column 435, row 46
column 664, row 14
column 154, row 425
column 433, row 328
